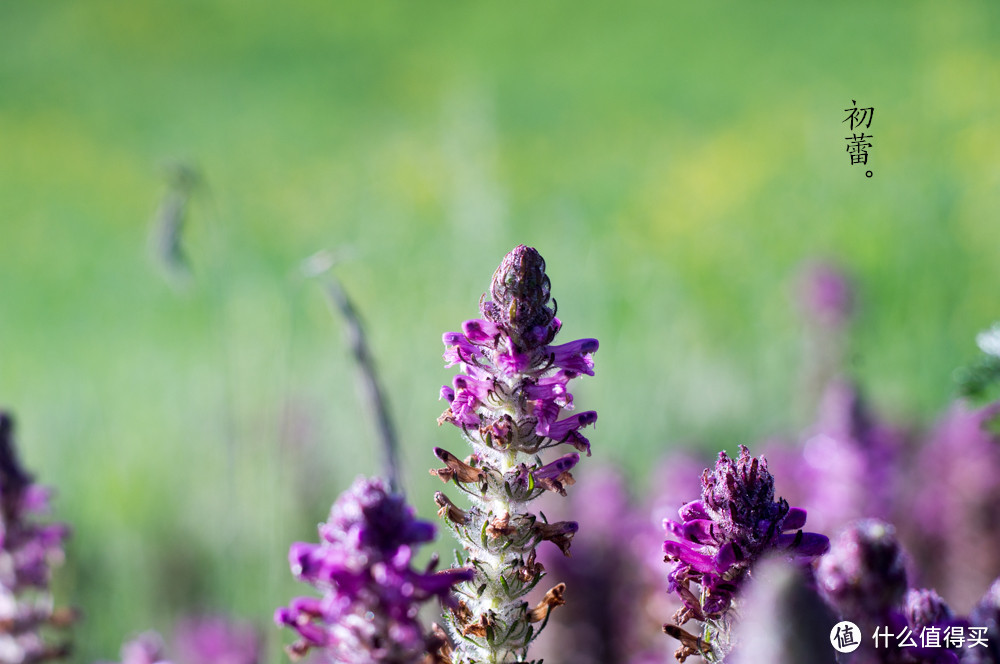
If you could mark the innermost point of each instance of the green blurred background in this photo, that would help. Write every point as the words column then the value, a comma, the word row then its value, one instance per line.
column 675, row 164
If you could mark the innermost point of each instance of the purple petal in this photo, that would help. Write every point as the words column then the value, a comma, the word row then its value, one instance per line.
column 558, row 467
column 546, row 412
column 804, row 544
column 579, row 441
column 684, row 552
column 480, row 331
column 561, row 429
column 701, row 531
column 795, row 519
column 726, row 557
column 575, row 356
column 480, row 389
column 673, row 527
column 693, row 510
column 513, row 362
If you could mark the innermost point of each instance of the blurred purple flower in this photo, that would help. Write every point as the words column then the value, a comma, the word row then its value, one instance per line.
column 864, row 574
column 215, row 640
column 28, row 549
column 675, row 479
column 606, row 622
column 923, row 607
column 954, row 487
column 848, row 466
column 146, row 648
column 864, row 578
column 826, row 294
column 720, row 536
column 784, row 620
column 370, row 593
column 986, row 614
column 826, row 300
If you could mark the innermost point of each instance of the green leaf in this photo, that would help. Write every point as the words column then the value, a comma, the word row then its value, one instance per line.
column 979, row 381
column 503, row 583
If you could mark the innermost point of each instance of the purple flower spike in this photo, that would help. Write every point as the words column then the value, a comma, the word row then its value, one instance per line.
column 720, row 536
column 510, row 401
column 510, row 367
column 371, row 595
column 27, row 551
column 953, row 484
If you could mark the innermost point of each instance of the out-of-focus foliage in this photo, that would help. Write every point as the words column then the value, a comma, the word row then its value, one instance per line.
column 674, row 163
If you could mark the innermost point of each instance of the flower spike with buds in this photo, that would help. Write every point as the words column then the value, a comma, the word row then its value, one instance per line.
column 722, row 535
column 371, row 594
column 509, row 401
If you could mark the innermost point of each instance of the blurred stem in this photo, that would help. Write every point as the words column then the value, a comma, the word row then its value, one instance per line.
column 371, row 390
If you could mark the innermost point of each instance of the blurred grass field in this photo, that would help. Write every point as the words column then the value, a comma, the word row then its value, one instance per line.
column 675, row 164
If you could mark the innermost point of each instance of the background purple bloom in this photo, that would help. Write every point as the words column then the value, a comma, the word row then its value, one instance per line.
column 28, row 549
column 846, row 467
column 370, row 593
column 864, row 574
column 952, row 497
column 826, row 294
column 784, row 620
column 146, row 648
column 215, row 640
column 605, row 620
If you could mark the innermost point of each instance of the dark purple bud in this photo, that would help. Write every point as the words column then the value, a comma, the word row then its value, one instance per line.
column 520, row 292
column 864, row 574
column 795, row 519
column 987, row 610
column 804, row 544
column 740, row 493
column 567, row 430
column 925, row 608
